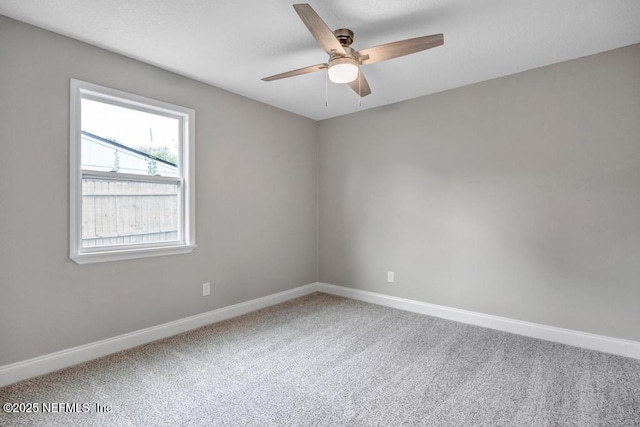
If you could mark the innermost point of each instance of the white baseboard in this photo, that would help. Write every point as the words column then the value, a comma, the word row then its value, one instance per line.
column 52, row 362
column 550, row 333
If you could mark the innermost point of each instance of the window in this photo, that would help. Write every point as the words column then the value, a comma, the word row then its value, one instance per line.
column 132, row 176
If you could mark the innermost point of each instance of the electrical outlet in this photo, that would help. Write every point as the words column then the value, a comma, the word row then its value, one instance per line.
column 206, row 289
column 390, row 276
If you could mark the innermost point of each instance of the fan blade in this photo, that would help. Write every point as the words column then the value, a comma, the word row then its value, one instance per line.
column 319, row 30
column 360, row 85
column 305, row 70
column 400, row 48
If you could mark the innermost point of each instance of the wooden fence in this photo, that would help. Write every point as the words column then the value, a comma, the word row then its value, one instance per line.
column 125, row 212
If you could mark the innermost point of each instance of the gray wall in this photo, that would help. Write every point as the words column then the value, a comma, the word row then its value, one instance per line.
column 517, row 197
column 256, row 202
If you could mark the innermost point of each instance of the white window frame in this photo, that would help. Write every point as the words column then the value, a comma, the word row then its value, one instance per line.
column 187, row 224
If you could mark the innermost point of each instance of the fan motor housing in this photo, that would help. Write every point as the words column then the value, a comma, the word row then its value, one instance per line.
column 351, row 56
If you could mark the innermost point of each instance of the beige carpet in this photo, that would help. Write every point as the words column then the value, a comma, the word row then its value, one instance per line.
column 324, row 360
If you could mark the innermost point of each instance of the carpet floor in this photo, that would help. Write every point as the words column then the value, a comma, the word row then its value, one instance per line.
column 322, row 360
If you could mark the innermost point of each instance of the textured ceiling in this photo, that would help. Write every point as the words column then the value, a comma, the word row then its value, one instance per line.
column 233, row 44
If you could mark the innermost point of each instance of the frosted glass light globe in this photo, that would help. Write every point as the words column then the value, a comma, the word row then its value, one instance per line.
column 341, row 71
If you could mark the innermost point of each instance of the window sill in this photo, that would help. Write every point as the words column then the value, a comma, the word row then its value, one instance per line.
column 119, row 255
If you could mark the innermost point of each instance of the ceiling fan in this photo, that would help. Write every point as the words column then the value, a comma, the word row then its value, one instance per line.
column 344, row 62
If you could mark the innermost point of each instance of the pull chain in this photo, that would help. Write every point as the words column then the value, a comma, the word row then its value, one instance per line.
column 326, row 88
column 359, row 91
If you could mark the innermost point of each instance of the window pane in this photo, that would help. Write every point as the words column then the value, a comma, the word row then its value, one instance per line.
column 129, row 212
column 119, row 139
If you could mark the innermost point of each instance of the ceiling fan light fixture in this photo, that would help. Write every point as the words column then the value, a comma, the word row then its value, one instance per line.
column 343, row 70
column 344, row 61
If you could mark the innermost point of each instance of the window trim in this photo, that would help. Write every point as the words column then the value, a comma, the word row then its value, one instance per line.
column 187, row 243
